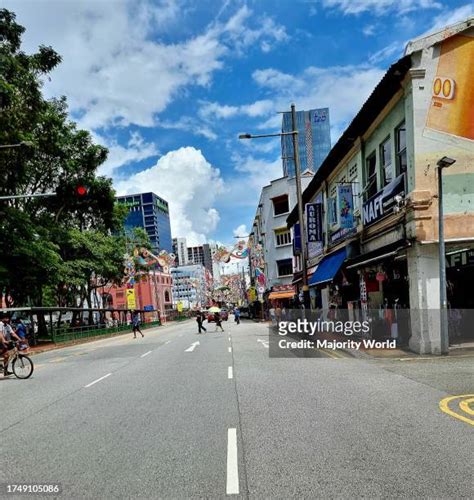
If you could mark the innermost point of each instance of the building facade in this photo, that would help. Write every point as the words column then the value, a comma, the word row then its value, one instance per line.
column 153, row 292
column 150, row 212
column 189, row 285
column 314, row 140
column 377, row 196
column 180, row 250
column 269, row 230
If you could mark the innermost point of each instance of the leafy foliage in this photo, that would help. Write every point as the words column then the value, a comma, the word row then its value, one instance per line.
column 59, row 248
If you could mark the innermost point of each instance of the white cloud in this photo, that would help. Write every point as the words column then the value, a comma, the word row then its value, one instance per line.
column 135, row 150
column 343, row 89
column 213, row 110
column 241, row 231
column 117, row 70
column 387, row 52
column 369, row 30
column 190, row 184
column 452, row 17
column 380, row 7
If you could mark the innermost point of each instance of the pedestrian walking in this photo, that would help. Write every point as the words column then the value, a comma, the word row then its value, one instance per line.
column 200, row 321
column 136, row 325
column 272, row 315
column 218, row 320
column 237, row 315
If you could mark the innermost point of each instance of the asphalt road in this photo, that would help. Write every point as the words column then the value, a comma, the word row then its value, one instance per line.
column 163, row 417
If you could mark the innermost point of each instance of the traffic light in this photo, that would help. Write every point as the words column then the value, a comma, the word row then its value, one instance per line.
column 81, row 191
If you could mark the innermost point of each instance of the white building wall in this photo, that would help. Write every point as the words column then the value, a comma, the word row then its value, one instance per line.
column 268, row 222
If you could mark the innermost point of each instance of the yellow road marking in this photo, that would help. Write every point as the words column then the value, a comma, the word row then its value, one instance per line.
column 444, row 406
column 464, row 405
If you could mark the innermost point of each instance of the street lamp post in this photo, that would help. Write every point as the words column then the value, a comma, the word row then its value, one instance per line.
column 299, row 196
column 296, row 157
column 444, row 162
column 19, row 145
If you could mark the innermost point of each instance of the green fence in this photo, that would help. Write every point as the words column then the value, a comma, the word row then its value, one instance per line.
column 87, row 332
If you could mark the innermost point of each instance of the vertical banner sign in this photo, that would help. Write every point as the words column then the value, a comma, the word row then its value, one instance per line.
column 346, row 206
column 131, row 302
column 314, row 222
column 314, row 228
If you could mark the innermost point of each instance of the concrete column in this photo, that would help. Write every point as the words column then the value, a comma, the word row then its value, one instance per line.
column 423, row 273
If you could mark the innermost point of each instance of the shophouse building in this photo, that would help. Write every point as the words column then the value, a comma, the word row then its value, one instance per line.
column 376, row 195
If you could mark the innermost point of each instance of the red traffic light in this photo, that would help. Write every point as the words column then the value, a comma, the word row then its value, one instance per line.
column 81, row 190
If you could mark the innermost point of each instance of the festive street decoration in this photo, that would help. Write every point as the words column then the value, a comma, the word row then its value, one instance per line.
column 239, row 251
column 144, row 258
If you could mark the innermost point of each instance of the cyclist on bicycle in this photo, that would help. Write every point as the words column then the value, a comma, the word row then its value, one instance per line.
column 7, row 338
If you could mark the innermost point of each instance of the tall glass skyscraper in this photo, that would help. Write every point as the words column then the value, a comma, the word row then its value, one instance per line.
column 149, row 211
column 314, row 140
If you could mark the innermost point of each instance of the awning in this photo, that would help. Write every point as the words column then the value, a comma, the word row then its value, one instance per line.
column 377, row 255
column 281, row 295
column 328, row 267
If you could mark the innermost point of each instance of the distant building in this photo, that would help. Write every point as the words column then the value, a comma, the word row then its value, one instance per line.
column 152, row 291
column 150, row 212
column 269, row 229
column 180, row 249
column 189, row 285
column 314, row 140
column 200, row 254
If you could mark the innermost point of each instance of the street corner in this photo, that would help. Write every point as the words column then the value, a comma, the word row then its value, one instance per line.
column 460, row 407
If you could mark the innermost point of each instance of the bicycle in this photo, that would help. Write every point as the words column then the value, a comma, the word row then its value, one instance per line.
column 21, row 364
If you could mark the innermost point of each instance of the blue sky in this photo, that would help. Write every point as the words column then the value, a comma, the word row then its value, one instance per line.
column 168, row 85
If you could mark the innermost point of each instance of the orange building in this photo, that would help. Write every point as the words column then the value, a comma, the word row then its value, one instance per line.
column 152, row 292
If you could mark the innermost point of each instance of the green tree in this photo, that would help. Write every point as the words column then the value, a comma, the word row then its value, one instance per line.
column 57, row 248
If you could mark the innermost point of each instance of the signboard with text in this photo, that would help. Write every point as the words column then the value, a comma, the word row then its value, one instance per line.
column 314, row 228
column 382, row 203
column 131, row 300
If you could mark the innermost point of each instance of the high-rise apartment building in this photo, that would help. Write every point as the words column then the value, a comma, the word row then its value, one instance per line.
column 180, row 249
column 149, row 211
column 314, row 140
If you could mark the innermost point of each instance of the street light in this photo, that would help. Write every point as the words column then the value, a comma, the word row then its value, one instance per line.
column 294, row 134
column 444, row 162
column 19, row 145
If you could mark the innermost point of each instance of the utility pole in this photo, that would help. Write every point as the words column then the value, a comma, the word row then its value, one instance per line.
column 299, row 197
column 444, row 162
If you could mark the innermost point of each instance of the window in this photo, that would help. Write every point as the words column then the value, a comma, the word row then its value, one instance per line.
column 167, row 296
column 282, row 237
column 386, row 161
column 401, row 148
column 280, row 205
column 355, row 186
column 285, row 267
column 371, row 176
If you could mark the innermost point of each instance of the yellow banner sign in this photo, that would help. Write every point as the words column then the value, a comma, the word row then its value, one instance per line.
column 131, row 300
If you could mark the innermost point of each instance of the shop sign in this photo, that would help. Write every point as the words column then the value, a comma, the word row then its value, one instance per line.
column 131, row 301
column 340, row 234
column 314, row 224
column 283, row 288
column 148, row 308
column 460, row 259
column 346, row 206
column 383, row 202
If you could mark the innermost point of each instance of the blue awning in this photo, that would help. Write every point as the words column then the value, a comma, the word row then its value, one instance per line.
column 328, row 267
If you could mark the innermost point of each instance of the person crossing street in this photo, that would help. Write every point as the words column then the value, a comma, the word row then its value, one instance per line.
column 136, row 325
column 200, row 321
column 218, row 320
